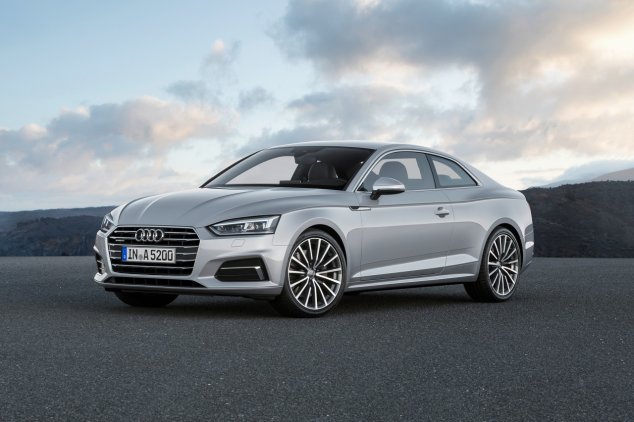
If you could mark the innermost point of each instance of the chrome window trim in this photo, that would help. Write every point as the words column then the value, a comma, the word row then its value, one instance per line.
column 380, row 157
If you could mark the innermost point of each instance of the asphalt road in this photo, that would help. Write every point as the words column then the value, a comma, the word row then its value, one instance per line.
column 562, row 349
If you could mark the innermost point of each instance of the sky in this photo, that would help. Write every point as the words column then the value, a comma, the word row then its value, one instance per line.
column 102, row 102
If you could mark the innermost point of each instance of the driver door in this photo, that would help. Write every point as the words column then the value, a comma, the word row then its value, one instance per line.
column 405, row 235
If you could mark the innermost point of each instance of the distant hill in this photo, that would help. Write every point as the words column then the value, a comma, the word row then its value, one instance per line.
column 616, row 176
column 593, row 175
column 9, row 219
column 593, row 219
column 586, row 220
column 46, row 236
column 51, row 232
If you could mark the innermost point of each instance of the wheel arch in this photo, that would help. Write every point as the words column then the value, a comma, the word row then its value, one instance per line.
column 519, row 239
column 332, row 232
column 337, row 223
column 506, row 224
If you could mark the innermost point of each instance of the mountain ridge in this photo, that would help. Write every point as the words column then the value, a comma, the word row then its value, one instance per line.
column 623, row 175
column 594, row 219
column 9, row 219
column 616, row 176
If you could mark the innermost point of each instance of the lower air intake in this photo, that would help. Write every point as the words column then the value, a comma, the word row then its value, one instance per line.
column 242, row 270
column 159, row 282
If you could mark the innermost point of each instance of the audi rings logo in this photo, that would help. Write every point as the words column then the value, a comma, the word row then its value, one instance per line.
column 149, row 235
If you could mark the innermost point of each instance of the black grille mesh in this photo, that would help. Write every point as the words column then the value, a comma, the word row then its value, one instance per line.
column 183, row 239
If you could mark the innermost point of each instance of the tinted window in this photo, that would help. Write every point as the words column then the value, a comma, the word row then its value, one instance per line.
column 450, row 174
column 309, row 166
column 409, row 168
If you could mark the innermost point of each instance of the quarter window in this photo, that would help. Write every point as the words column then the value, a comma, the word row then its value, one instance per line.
column 450, row 174
column 409, row 168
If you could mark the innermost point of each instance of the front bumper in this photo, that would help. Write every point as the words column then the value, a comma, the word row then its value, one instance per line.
column 529, row 249
column 213, row 251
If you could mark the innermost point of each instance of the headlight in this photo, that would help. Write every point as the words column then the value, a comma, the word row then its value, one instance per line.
column 255, row 225
column 107, row 223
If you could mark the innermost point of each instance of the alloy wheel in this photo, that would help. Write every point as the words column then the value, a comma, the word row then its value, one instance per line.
column 315, row 273
column 503, row 264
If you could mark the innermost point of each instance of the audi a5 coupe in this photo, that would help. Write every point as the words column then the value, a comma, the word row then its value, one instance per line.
column 302, row 224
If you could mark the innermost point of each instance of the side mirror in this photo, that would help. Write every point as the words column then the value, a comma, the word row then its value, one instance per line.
column 386, row 186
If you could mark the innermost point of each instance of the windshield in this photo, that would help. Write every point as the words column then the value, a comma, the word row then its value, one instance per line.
column 307, row 166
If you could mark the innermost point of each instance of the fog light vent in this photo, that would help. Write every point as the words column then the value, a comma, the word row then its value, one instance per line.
column 242, row 270
column 100, row 266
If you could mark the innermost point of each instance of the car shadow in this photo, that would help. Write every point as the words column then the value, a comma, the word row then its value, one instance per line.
column 400, row 299
column 244, row 308
column 236, row 308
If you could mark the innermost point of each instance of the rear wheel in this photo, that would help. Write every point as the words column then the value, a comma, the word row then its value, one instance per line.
column 146, row 300
column 499, row 271
column 315, row 276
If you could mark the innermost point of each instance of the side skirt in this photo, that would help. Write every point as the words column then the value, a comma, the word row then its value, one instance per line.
column 437, row 280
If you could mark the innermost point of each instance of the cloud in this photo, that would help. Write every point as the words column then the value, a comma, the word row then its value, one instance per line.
column 192, row 91
column 345, row 112
column 545, row 76
column 216, row 73
column 115, row 149
column 253, row 98
column 356, row 109
column 299, row 133
column 217, row 64
column 500, row 38
column 142, row 121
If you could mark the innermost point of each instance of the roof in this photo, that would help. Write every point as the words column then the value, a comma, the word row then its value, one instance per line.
column 352, row 143
column 376, row 145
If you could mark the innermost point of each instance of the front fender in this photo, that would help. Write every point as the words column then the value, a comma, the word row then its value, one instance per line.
column 345, row 222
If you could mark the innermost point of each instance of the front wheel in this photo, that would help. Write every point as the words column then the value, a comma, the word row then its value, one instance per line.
column 146, row 300
column 315, row 276
column 499, row 271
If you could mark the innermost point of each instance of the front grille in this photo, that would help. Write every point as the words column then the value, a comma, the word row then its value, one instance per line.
column 184, row 239
column 161, row 282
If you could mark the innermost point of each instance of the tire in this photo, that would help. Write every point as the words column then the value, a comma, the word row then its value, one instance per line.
column 146, row 300
column 497, row 279
column 315, row 276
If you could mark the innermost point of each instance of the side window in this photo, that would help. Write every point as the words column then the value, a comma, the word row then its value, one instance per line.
column 410, row 168
column 450, row 174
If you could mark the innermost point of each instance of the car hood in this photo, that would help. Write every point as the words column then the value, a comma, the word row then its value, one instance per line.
column 204, row 206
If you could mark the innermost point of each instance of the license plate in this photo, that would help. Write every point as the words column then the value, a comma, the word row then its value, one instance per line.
column 156, row 255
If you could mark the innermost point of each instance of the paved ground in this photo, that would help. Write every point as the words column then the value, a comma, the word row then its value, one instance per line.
column 561, row 350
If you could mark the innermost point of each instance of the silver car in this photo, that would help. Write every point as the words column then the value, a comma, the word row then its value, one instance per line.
column 302, row 224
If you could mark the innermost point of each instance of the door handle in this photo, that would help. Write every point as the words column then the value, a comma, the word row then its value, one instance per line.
column 441, row 212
